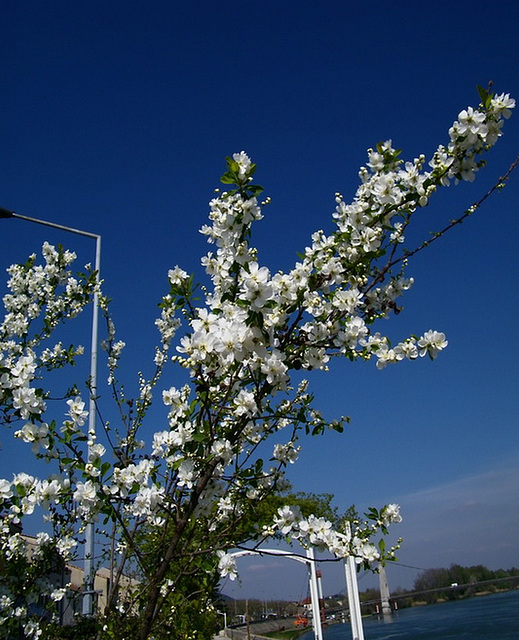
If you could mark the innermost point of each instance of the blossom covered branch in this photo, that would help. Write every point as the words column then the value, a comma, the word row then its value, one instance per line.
column 197, row 489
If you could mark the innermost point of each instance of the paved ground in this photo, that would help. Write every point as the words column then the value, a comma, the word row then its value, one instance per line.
column 240, row 634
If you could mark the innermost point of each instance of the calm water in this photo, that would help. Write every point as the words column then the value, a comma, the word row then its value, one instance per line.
column 494, row 617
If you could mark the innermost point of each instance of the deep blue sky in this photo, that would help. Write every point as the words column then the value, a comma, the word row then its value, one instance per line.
column 116, row 118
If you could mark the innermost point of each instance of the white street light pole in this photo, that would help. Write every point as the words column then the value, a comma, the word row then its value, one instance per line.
column 89, row 591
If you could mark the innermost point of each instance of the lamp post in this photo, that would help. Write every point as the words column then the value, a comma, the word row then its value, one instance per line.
column 88, row 593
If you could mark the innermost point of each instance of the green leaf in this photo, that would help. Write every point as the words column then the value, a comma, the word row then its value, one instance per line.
column 232, row 165
column 483, row 94
column 228, row 178
column 207, row 565
column 337, row 426
column 301, row 415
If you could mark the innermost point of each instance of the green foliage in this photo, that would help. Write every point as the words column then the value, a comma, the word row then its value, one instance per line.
column 244, row 184
column 84, row 629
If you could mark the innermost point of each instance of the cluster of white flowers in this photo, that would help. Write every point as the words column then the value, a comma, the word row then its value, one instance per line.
column 474, row 131
column 76, row 411
column 391, row 514
column 85, row 495
column 35, row 434
column 431, row 343
column 20, row 496
column 219, row 340
column 320, row 533
column 58, row 354
column 286, row 452
column 41, row 296
column 15, row 382
column 335, row 284
column 33, row 292
column 168, row 323
column 28, row 563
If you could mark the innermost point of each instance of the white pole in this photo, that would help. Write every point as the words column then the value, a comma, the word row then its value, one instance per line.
column 89, row 577
column 314, row 595
column 321, row 596
column 353, row 598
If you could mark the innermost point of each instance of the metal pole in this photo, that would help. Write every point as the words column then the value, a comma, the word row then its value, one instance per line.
column 353, row 598
column 89, row 575
column 5, row 213
column 321, row 596
column 314, row 595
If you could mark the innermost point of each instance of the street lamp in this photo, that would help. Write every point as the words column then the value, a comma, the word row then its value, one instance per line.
column 88, row 593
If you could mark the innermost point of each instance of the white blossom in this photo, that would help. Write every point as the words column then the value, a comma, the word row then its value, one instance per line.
column 227, row 565
column 431, row 343
column 76, row 411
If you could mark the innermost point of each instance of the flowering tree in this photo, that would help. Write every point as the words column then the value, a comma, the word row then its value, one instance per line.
column 173, row 507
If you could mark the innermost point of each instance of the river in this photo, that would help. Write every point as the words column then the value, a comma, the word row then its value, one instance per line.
column 492, row 617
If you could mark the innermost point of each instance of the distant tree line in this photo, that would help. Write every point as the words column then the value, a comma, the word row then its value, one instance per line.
column 459, row 582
